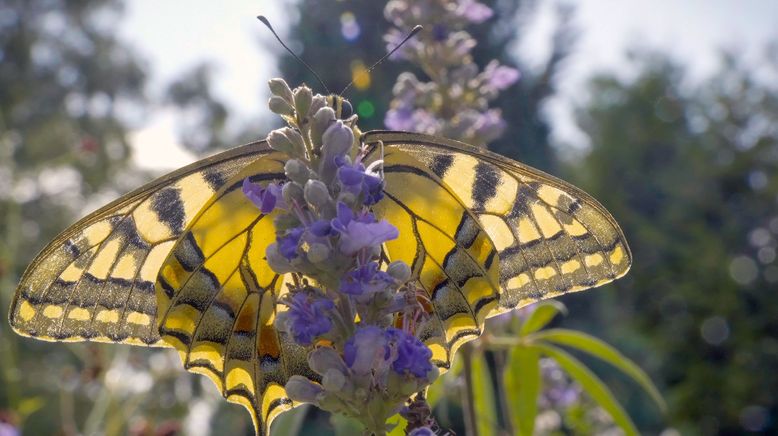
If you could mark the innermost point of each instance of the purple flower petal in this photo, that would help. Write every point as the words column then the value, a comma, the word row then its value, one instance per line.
column 412, row 355
column 358, row 235
column 366, row 350
column 308, row 317
column 266, row 199
column 365, row 279
column 287, row 244
column 321, row 228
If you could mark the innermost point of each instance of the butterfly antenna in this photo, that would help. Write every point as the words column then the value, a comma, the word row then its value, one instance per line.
column 266, row 22
column 410, row 35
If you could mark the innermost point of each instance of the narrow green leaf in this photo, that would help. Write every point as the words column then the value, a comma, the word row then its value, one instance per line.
column 543, row 314
column 522, row 385
column 290, row 423
column 483, row 393
column 592, row 385
column 600, row 349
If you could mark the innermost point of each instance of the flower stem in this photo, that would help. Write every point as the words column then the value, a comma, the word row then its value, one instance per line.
column 469, row 406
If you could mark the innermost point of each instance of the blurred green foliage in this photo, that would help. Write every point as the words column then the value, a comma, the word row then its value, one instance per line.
column 690, row 172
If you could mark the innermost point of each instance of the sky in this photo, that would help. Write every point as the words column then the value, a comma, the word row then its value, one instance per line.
column 175, row 36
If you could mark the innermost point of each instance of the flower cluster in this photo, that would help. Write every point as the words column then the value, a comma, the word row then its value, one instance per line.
column 455, row 103
column 347, row 301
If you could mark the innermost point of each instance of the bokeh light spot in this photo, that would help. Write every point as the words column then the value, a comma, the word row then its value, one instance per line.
column 715, row 330
column 360, row 76
column 743, row 270
column 753, row 418
column 366, row 109
column 349, row 27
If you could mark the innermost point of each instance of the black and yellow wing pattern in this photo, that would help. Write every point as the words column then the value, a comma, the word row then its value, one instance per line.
column 551, row 237
column 180, row 262
column 95, row 281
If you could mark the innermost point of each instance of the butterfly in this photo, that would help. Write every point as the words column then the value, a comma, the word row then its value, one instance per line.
column 180, row 261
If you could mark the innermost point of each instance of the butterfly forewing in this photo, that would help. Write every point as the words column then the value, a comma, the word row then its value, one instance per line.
column 551, row 237
column 95, row 281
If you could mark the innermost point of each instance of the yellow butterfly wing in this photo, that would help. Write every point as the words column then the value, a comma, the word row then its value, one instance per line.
column 95, row 281
column 551, row 237
column 217, row 296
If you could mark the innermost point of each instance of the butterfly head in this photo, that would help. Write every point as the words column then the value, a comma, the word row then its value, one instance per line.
column 342, row 107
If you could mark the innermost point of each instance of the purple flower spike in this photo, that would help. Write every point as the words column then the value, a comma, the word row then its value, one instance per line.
column 502, row 77
column 287, row 244
column 422, row 431
column 474, row 12
column 399, row 119
column 412, row 355
column 365, row 279
column 308, row 317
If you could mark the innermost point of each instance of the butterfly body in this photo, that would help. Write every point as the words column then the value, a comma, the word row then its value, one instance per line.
column 180, row 262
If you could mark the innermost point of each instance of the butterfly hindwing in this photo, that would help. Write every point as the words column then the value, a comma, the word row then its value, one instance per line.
column 95, row 281
column 551, row 237
column 217, row 300
column 451, row 256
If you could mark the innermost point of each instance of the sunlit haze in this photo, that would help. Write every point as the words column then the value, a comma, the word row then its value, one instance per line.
column 175, row 36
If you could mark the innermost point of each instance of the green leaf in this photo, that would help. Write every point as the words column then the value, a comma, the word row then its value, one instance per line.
column 290, row 422
column 400, row 423
column 435, row 392
column 343, row 425
column 592, row 385
column 543, row 314
column 522, row 385
column 28, row 406
column 483, row 396
column 600, row 349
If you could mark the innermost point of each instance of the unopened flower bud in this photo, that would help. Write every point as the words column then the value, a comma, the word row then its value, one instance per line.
column 333, row 380
column 299, row 388
column 318, row 102
column 347, row 197
column 280, row 88
column 296, row 139
column 284, row 221
column 293, row 194
column 399, row 270
column 280, row 106
column 337, row 139
column 303, row 97
column 432, row 375
column 279, row 142
column 318, row 253
column 316, row 193
column 296, row 171
column 276, row 260
column 324, row 359
column 321, row 121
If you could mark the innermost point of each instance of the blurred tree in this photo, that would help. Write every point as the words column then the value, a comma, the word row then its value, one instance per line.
column 68, row 90
column 203, row 117
column 340, row 39
column 692, row 177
